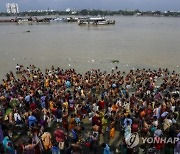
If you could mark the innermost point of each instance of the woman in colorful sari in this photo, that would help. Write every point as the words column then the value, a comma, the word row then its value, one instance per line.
column 8, row 146
column 72, row 122
column 46, row 139
column 52, row 106
column 104, row 124
column 127, row 131
column 36, row 140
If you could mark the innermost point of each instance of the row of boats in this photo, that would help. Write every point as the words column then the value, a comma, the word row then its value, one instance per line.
column 86, row 20
column 80, row 20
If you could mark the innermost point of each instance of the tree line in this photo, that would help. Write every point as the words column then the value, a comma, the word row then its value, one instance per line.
column 86, row 12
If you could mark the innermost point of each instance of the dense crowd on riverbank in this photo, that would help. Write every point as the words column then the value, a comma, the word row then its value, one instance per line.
column 50, row 109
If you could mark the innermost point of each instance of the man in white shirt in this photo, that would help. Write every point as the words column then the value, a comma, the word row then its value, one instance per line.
column 155, row 122
column 17, row 117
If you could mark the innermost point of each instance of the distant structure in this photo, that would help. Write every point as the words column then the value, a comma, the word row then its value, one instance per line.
column 41, row 11
column 71, row 11
column 68, row 10
column 12, row 8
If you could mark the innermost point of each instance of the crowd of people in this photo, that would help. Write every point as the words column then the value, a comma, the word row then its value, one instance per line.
column 50, row 110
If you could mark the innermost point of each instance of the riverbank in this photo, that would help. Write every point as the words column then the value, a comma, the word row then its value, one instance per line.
column 110, row 105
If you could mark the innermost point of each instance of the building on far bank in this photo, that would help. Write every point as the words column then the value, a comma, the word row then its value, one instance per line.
column 68, row 10
column 12, row 8
column 71, row 11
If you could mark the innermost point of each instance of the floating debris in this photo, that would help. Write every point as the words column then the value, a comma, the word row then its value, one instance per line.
column 177, row 66
column 69, row 65
column 93, row 61
column 14, row 58
column 115, row 61
column 88, row 61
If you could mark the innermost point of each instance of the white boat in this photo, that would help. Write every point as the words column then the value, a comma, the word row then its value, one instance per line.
column 57, row 20
column 95, row 21
column 28, row 20
column 23, row 21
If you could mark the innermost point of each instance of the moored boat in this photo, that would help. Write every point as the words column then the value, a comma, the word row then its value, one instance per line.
column 95, row 21
column 57, row 19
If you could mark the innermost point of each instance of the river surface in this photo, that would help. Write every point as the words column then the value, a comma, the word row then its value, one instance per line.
column 137, row 42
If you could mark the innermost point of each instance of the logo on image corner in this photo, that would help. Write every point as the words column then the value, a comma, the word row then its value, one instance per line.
column 132, row 140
